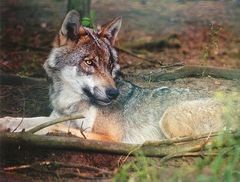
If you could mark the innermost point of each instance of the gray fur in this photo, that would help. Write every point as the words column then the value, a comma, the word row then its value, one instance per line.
column 141, row 109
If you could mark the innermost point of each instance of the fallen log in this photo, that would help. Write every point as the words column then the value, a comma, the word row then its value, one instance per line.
column 27, row 140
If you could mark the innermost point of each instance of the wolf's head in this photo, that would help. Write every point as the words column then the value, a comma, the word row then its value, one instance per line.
column 84, row 60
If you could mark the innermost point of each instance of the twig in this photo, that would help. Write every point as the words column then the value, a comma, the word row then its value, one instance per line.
column 57, row 164
column 187, row 138
column 184, row 153
column 136, row 56
column 187, row 154
column 126, row 157
column 170, row 156
column 18, row 125
column 24, row 105
column 55, row 121
column 194, row 154
column 82, row 130
column 206, row 141
column 25, row 166
column 181, row 154
column 187, row 71
column 86, row 167
column 173, row 65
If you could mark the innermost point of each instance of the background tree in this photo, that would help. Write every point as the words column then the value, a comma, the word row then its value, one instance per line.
column 83, row 6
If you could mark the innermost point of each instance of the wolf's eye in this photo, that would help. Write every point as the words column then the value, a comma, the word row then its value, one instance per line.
column 110, row 66
column 89, row 62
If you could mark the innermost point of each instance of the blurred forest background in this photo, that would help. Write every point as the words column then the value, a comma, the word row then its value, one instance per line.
column 161, row 32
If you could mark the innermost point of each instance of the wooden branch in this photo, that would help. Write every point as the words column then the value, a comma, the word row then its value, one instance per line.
column 136, row 56
column 98, row 173
column 29, row 140
column 25, row 166
column 194, row 154
column 55, row 121
column 154, row 149
column 186, row 71
column 10, row 79
column 189, row 138
column 57, row 165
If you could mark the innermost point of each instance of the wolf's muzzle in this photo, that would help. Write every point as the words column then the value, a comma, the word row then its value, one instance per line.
column 100, row 97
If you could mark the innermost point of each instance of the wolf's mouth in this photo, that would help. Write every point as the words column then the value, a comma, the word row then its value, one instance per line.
column 97, row 97
column 102, row 102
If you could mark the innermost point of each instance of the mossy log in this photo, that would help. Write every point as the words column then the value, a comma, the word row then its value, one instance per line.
column 184, row 72
column 27, row 140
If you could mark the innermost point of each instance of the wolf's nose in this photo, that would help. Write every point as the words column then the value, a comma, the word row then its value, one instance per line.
column 112, row 93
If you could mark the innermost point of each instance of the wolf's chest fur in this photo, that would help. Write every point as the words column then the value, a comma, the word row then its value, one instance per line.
column 66, row 102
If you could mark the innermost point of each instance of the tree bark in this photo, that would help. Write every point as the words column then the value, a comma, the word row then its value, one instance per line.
column 83, row 6
column 186, row 71
column 152, row 149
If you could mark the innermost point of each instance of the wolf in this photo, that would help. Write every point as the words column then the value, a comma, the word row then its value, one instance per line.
column 84, row 78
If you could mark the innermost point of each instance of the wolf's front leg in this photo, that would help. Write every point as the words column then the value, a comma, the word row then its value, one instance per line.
column 18, row 124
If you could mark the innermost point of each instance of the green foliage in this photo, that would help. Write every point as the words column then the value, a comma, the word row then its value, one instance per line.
column 89, row 21
column 138, row 170
column 225, row 165
column 86, row 22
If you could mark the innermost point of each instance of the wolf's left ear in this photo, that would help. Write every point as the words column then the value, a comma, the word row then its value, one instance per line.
column 69, row 29
column 71, row 24
column 111, row 29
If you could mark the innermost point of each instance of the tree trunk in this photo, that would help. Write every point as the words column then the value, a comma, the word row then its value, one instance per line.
column 83, row 6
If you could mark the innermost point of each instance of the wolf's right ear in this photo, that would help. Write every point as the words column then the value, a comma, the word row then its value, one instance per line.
column 111, row 29
column 69, row 29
